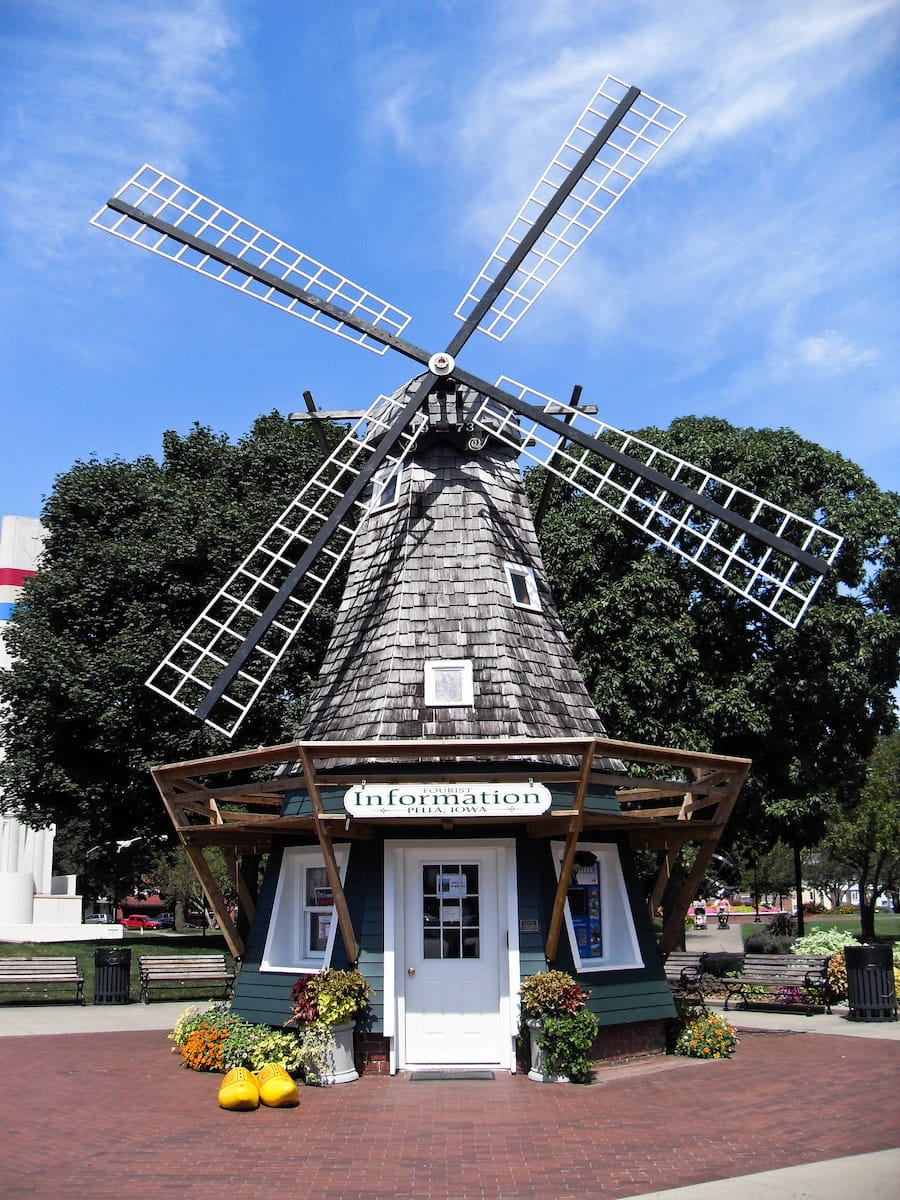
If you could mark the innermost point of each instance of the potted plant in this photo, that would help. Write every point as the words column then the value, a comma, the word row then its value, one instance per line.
column 324, row 1007
column 560, row 1028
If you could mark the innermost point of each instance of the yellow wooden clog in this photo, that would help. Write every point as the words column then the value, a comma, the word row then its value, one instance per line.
column 276, row 1088
column 239, row 1090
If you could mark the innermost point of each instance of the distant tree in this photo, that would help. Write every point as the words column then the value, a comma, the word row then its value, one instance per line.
column 671, row 657
column 827, row 874
column 776, row 871
column 866, row 835
column 178, row 886
column 134, row 551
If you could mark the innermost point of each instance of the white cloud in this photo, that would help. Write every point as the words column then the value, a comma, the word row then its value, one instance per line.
column 116, row 85
column 832, row 352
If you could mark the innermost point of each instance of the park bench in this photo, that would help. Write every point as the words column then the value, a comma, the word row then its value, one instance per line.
column 17, row 972
column 179, row 970
column 686, row 971
column 771, row 973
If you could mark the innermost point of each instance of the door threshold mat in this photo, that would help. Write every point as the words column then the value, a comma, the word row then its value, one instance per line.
column 449, row 1076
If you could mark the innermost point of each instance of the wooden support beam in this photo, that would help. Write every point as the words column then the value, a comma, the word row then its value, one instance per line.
column 201, row 870
column 565, row 871
column 246, row 902
column 665, row 873
column 215, row 899
column 331, row 868
column 675, row 921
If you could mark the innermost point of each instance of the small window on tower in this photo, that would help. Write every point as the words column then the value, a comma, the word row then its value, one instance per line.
column 522, row 586
column 386, row 487
column 448, row 683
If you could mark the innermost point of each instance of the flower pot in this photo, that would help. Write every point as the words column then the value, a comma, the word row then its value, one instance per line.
column 343, row 1067
column 537, row 1070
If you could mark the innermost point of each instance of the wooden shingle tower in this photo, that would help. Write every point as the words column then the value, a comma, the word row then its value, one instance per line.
column 451, row 815
column 447, row 628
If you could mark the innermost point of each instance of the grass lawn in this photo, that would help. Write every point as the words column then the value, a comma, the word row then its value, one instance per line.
column 887, row 925
column 138, row 943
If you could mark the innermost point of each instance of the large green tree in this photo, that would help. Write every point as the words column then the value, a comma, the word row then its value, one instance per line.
column 866, row 835
column 671, row 657
column 134, row 551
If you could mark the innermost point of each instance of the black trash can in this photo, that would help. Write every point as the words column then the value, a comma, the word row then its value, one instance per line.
column 871, row 993
column 112, row 974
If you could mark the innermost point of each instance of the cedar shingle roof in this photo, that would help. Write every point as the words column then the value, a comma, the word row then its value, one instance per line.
column 427, row 581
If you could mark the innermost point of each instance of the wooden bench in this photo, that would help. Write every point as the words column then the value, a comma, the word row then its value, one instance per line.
column 178, row 970
column 687, row 970
column 16, row 972
column 808, row 973
column 684, row 976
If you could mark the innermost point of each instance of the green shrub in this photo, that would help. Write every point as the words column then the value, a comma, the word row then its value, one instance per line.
column 824, row 941
column 764, row 942
column 783, row 925
column 565, row 1043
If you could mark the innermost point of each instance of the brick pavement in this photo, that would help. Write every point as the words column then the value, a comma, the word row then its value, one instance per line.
column 105, row 1116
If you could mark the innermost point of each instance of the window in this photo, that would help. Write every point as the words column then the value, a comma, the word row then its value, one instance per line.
column 450, row 911
column 386, row 487
column 598, row 914
column 302, row 928
column 448, row 683
column 522, row 586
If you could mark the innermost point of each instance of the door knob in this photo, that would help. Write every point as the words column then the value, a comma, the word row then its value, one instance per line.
column 410, row 971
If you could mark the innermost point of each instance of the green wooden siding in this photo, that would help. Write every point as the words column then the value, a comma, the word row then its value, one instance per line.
column 265, row 996
column 617, row 997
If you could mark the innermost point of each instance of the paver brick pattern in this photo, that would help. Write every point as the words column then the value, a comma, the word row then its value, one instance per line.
column 109, row 1116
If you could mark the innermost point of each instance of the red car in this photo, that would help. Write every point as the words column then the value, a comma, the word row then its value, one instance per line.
column 138, row 921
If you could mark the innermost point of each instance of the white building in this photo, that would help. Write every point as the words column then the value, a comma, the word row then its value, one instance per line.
column 35, row 904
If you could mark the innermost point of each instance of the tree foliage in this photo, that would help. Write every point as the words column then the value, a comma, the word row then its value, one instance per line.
column 673, row 658
column 134, row 551
column 866, row 835
column 174, row 877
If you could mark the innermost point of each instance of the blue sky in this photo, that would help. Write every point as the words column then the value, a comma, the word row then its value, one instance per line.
column 751, row 272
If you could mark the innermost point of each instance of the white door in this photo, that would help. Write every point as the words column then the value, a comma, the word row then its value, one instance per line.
column 453, row 958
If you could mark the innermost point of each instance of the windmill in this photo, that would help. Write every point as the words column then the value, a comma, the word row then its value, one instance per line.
column 446, row 417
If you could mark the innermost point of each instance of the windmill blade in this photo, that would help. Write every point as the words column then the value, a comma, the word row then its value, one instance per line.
column 619, row 133
column 160, row 214
column 767, row 554
column 189, row 673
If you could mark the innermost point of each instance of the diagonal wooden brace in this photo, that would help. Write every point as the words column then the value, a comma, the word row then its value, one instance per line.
column 565, row 871
column 331, row 867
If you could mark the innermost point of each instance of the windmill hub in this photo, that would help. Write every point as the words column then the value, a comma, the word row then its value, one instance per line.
column 441, row 364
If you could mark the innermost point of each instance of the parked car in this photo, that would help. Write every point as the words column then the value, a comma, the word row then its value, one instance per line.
column 96, row 919
column 139, row 921
column 166, row 920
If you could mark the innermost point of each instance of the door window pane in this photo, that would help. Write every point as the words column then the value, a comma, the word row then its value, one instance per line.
column 450, row 911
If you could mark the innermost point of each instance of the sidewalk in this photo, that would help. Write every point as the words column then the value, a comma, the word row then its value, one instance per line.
column 97, row 1107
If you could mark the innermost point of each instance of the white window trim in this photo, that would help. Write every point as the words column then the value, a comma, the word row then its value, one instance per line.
column 621, row 951
column 386, row 487
column 526, row 573
column 467, row 687
column 284, row 936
